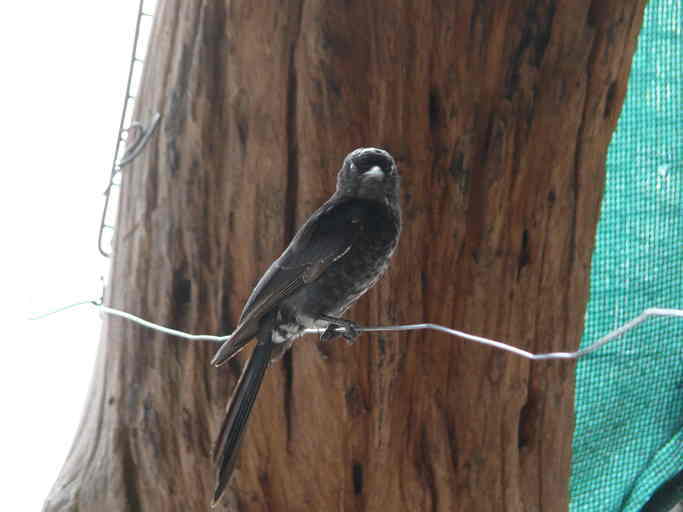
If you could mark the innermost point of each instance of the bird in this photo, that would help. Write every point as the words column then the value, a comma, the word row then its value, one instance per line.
column 335, row 257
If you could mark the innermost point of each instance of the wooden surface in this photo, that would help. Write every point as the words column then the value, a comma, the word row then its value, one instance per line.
column 499, row 115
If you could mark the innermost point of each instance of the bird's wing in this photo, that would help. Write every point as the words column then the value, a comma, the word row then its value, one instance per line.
column 327, row 235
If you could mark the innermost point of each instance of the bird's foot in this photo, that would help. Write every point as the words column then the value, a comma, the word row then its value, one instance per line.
column 349, row 330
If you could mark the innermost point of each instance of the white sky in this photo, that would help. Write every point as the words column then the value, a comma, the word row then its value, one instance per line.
column 63, row 80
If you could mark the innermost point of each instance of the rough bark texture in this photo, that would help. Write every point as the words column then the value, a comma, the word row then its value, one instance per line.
column 499, row 114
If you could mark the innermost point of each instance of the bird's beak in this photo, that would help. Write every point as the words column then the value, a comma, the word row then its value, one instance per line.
column 375, row 173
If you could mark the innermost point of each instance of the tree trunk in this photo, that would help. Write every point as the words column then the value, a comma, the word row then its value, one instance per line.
column 499, row 115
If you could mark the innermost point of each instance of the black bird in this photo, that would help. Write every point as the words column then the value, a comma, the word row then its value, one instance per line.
column 336, row 256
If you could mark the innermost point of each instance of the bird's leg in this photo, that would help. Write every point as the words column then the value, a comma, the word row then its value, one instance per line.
column 350, row 332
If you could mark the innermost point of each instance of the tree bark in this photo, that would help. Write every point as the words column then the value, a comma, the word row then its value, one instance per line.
column 499, row 115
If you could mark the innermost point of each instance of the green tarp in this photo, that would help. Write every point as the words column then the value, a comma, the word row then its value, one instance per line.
column 629, row 396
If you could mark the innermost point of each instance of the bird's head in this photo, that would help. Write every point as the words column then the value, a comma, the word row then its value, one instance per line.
column 369, row 173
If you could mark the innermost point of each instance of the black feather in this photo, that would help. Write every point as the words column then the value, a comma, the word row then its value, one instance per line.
column 237, row 415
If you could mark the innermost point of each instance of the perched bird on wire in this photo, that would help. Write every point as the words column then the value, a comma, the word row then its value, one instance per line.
column 336, row 256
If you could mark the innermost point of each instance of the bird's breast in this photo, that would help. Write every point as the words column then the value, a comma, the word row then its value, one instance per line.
column 343, row 282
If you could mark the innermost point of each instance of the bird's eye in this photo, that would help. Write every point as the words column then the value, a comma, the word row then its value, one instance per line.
column 353, row 167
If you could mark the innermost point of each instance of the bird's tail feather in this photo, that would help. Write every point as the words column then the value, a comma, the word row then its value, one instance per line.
column 234, row 344
column 237, row 415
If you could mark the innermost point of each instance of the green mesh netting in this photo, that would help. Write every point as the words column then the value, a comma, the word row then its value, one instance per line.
column 629, row 395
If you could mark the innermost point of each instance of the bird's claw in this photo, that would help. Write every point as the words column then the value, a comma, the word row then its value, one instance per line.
column 329, row 334
column 349, row 332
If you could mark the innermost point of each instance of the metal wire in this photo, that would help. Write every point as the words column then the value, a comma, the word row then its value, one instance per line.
column 139, row 144
column 648, row 313
column 63, row 308
column 165, row 330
